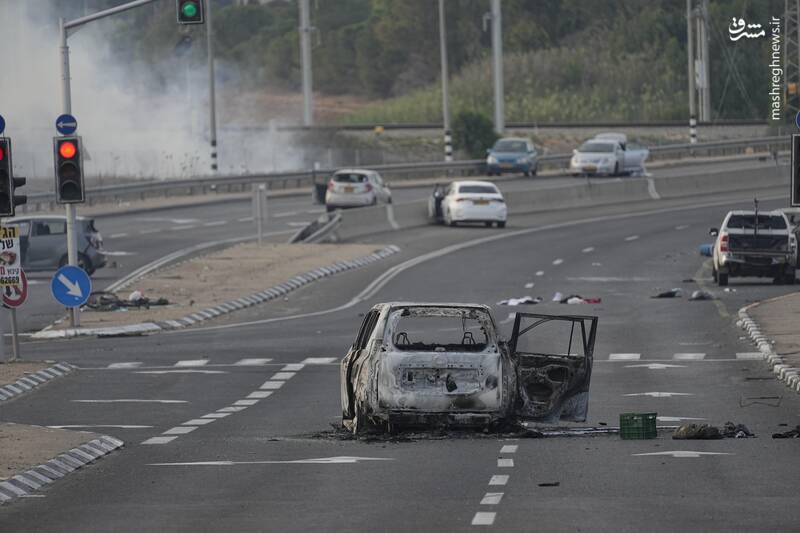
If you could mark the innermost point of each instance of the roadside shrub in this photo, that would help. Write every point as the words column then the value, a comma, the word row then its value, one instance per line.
column 473, row 133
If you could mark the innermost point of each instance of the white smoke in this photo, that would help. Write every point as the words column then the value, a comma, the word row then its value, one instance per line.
column 137, row 121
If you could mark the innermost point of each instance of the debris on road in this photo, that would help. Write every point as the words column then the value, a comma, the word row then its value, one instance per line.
column 708, row 432
column 672, row 293
column 525, row 300
column 108, row 301
column 575, row 299
column 791, row 434
column 701, row 295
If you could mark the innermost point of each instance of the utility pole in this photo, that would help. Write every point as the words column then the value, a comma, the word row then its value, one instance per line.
column 212, row 93
column 692, row 89
column 448, row 139
column 497, row 67
column 305, row 60
column 706, row 88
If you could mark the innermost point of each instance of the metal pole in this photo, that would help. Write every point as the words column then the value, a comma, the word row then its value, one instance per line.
column 66, row 106
column 14, row 336
column 262, row 211
column 706, row 67
column 258, row 212
column 448, row 139
column 305, row 60
column 692, row 89
column 497, row 67
column 212, row 97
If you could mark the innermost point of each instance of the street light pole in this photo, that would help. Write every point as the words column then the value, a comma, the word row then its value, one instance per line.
column 212, row 95
column 305, row 60
column 448, row 139
column 497, row 67
column 692, row 89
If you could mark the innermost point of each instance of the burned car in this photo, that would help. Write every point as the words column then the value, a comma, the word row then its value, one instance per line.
column 427, row 364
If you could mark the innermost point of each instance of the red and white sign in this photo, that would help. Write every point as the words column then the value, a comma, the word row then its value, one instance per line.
column 15, row 295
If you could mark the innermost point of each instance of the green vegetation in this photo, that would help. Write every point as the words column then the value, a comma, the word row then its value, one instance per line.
column 565, row 59
column 473, row 133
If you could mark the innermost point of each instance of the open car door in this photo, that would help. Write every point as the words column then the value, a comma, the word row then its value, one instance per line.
column 553, row 357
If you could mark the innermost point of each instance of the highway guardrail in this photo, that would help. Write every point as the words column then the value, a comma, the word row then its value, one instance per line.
column 392, row 172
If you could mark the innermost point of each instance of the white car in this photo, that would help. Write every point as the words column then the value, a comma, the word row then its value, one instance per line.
column 356, row 188
column 608, row 154
column 468, row 201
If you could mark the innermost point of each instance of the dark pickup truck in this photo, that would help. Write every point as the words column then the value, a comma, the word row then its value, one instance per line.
column 759, row 245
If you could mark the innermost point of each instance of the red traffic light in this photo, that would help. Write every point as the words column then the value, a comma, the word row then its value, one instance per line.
column 67, row 150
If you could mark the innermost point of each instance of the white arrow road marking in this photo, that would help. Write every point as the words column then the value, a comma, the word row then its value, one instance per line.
column 660, row 394
column 682, row 453
column 676, row 418
column 120, row 426
column 181, row 372
column 73, row 289
column 320, row 461
column 130, row 401
column 655, row 366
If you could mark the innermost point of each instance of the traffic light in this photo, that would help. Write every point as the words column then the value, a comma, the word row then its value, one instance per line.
column 795, row 192
column 6, row 179
column 69, row 170
column 190, row 11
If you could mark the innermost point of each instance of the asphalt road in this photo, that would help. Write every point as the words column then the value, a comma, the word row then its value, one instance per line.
column 136, row 239
column 274, row 462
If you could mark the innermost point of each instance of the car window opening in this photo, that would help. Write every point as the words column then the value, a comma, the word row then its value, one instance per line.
column 349, row 178
column 590, row 147
column 415, row 332
column 480, row 189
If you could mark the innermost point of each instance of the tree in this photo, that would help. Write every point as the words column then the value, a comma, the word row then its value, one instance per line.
column 473, row 133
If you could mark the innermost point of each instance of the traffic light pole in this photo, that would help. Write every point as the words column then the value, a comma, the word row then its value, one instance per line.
column 212, row 95
column 66, row 105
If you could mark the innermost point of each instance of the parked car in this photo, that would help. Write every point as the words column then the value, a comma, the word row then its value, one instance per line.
column 428, row 364
column 468, row 201
column 356, row 188
column 793, row 215
column 512, row 155
column 608, row 154
column 750, row 244
column 43, row 242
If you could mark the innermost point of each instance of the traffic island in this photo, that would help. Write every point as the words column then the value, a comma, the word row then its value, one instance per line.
column 772, row 326
column 220, row 283
column 32, row 457
column 18, row 378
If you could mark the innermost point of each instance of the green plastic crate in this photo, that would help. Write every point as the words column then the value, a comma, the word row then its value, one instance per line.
column 637, row 425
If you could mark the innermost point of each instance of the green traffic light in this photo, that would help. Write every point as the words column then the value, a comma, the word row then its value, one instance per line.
column 189, row 9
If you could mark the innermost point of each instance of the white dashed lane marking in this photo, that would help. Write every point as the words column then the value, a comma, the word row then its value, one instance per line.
column 505, row 463
column 660, row 394
column 492, row 498
column 252, row 362
column 215, row 223
column 181, row 228
column 631, row 238
column 198, row 422
column 558, row 261
column 159, row 440
column 245, row 402
column 272, row 385
column 178, row 430
column 117, row 235
column 319, row 360
column 292, row 367
column 498, row 479
column 483, row 519
column 216, row 415
column 509, row 448
column 588, row 249
column 132, row 364
column 540, row 273
column 624, row 356
column 529, row 285
column 681, row 227
column 259, row 394
column 282, row 375
column 192, row 362
column 130, row 400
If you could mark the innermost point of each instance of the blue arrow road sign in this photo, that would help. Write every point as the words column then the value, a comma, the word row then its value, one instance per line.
column 66, row 124
column 2, row 124
column 71, row 286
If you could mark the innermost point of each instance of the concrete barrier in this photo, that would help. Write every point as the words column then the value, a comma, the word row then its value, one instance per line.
column 726, row 181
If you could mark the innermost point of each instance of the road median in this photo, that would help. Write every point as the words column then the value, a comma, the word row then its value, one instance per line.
column 216, row 284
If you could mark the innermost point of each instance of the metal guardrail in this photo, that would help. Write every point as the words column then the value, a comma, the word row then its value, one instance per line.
column 393, row 172
column 525, row 125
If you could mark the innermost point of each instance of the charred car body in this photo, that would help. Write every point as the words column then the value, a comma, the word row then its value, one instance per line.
column 424, row 364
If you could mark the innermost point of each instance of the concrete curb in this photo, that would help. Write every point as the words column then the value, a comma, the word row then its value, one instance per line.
column 226, row 307
column 37, row 477
column 786, row 373
column 31, row 381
